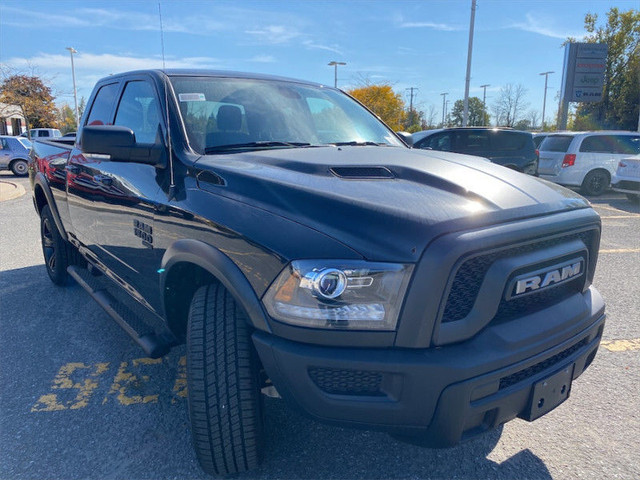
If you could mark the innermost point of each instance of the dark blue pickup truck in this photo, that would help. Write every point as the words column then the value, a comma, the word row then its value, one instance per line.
column 293, row 241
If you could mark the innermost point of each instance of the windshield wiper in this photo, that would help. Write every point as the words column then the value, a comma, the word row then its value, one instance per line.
column 356, row 143
column 252, row 145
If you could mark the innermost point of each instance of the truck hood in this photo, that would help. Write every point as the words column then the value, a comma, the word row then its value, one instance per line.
column 386, row 203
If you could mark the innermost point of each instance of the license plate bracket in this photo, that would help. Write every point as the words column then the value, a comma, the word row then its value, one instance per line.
column 548, row 393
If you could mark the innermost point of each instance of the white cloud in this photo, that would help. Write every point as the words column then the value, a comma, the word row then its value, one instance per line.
column 91, row 67
column 443, row 27
column 274, row 34
column 544, row 26
column 109, row 63
column 312, row 45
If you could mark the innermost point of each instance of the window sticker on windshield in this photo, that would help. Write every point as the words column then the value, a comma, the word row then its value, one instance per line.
column 191, row 97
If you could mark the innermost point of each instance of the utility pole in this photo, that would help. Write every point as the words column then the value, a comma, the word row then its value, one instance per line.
column 335, row 64
column 444, row 106
column 446, row 111
column 544, row 102
column 465, row 114
column 75, row 91
column 411, row 116
column 411, row 89
column 484, row 100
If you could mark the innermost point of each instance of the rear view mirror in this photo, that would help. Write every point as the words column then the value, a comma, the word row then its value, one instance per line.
column 120, row 144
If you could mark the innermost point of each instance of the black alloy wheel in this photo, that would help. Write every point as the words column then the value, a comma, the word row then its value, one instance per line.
column 596, row 182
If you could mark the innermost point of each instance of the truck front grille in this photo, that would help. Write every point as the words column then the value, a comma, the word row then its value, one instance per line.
column 470, row 275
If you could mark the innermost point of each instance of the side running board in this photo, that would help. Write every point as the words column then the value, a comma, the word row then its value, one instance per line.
column 128, row 316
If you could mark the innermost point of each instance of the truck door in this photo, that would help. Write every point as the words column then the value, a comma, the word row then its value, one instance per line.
column 124, row 196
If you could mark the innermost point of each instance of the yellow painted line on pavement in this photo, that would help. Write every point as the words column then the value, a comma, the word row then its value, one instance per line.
column 621, row 345
column 609, row 217
column 620, row 250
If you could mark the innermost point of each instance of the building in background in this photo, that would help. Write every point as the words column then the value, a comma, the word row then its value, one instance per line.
column 12, row 121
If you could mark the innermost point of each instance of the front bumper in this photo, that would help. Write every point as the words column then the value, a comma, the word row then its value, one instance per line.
column 444, row 395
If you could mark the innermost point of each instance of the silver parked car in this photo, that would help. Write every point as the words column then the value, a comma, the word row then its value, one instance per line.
column 14, row 154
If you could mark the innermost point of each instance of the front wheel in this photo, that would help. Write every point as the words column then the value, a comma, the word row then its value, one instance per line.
column 223, row 384
column 596, row 182
column 19, row 168
column 54, row 248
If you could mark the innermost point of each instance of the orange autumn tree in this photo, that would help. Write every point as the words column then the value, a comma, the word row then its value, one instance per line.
column 384, row 102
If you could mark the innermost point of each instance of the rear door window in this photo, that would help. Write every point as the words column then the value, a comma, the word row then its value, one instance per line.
column 103, row 105
column 626, row 144
column 556, row 143
column 598, row 144
column 439, row 141
column 509, row 141
column 470, row 141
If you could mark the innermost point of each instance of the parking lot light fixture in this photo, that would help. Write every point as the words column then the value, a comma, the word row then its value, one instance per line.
column 544, row 102
column 335, row 64
column 75, row 92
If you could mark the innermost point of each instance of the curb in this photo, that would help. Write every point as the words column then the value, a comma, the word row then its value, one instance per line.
column 10, row 190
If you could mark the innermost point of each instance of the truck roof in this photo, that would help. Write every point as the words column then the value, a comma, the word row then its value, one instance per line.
column 171, row 72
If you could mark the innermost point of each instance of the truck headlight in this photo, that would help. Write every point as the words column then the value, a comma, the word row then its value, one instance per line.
column 339, row 294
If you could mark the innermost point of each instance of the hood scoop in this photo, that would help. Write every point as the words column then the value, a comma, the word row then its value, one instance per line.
column 362, row 173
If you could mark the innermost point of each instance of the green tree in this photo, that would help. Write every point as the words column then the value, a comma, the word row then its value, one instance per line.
column 33, row 96
column 81, row 106
column 67, row 119
column 477, row 115
column 621, row 93
column 384, row 102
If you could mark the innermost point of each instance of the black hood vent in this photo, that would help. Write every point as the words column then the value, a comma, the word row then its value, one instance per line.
column 363, row 172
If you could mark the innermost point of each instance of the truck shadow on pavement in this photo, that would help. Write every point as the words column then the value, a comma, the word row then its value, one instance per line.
column 71, row 327
column 297, row 447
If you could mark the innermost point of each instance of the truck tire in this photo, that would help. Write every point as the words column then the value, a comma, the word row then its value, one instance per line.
column 596, row 182
column 54, row 248
column 223, row 383
column 19, row 167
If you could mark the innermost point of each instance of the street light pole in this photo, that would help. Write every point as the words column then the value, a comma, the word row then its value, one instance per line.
column 75, row 91
column 335, row 64
column 465, row 110
column 484, row 99
column 544, row 102
column 444, row 97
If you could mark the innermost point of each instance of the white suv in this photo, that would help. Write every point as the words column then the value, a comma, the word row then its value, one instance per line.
column 585, row 159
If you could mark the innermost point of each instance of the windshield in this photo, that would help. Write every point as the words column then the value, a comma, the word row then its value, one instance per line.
column 25, row 142
column 226, row 114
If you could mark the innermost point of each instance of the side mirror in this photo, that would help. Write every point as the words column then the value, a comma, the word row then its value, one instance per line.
column 120, row 144
column 406, row 137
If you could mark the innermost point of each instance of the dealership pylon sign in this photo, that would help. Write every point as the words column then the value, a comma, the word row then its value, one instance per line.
column 583, row 75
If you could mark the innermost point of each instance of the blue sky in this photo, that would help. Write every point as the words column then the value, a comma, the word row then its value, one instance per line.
column 420, row 44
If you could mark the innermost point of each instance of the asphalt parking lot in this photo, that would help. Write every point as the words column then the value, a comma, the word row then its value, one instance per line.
column 79, row 400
